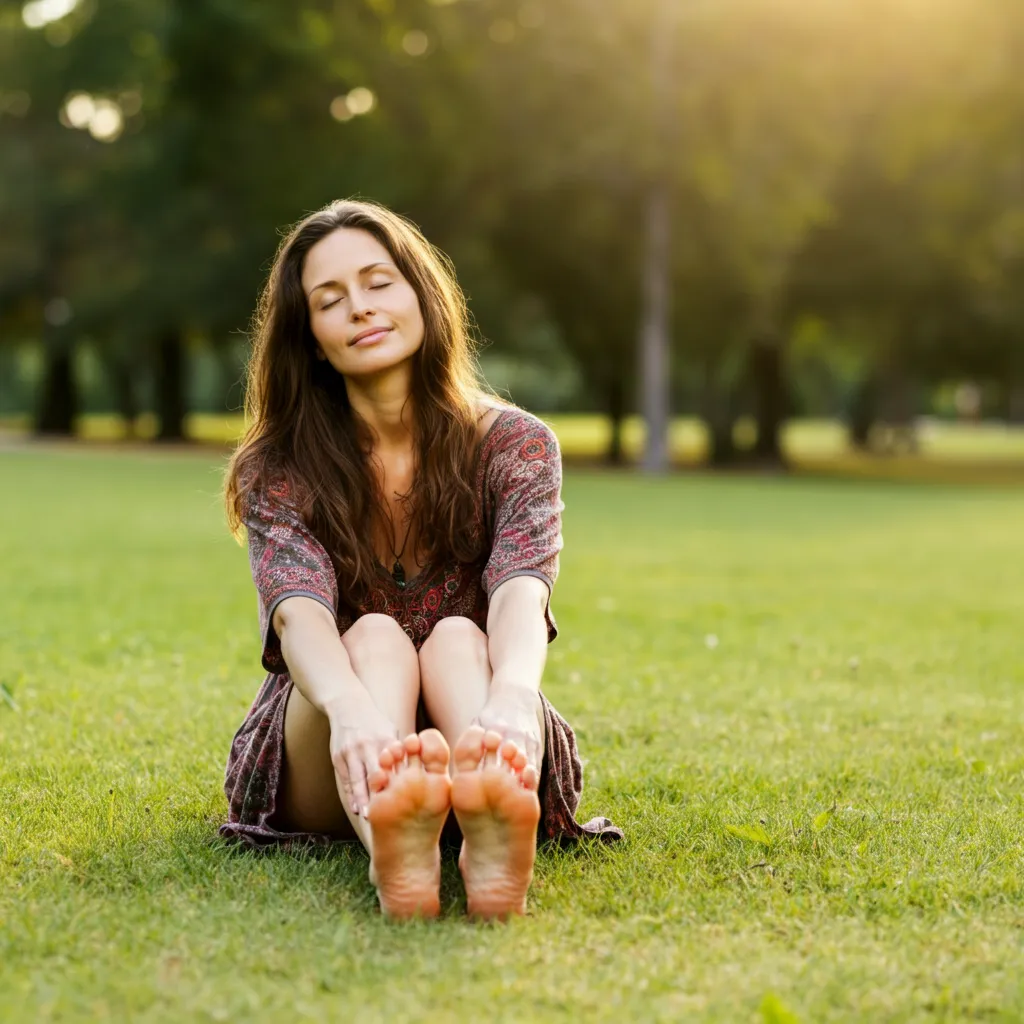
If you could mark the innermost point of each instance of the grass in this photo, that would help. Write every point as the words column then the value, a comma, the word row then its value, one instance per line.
column 801, row 698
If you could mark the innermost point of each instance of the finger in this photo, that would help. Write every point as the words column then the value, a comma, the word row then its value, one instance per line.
column 360, row 794
column 371, row 768
column 343, row 778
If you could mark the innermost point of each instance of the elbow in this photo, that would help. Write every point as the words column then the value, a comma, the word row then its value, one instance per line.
column 295, row 611
column 523, row 592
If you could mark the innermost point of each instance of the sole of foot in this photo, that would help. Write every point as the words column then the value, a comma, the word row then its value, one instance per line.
column 494, row 797
column 409, row 801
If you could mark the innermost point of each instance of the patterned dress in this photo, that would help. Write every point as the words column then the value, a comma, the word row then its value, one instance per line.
column 519, row 506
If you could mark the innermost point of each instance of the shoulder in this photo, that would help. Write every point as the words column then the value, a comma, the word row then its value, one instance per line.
column 516, row 433
column 521, row 455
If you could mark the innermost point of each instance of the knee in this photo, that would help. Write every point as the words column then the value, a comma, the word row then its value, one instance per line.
column 455, row 638
column 375, row 634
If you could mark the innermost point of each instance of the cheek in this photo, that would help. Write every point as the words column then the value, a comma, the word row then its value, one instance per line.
column 413, row 316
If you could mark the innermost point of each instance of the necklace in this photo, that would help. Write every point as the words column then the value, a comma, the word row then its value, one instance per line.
column 398, row 570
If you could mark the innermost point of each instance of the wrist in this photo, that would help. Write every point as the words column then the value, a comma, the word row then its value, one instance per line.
column 513, row 690
column 342, row 705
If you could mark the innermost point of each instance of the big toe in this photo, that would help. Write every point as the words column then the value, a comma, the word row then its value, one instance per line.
column 469, row 750
column 434, row 751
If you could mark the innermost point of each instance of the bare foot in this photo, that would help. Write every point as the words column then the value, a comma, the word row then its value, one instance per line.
column 494, row 797
column 409, row 802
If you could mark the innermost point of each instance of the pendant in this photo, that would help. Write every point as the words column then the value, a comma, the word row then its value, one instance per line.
column 398, row 574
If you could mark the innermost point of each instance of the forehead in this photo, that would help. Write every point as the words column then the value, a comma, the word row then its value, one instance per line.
column 341, row 254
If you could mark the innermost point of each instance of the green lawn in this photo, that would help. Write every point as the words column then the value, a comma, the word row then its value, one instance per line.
column 802, row 699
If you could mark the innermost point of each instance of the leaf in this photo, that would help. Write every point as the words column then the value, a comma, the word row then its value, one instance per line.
column 751, row 833
column 774, row 1011
column 7, row 696
column 822, row 820
column 978, row 767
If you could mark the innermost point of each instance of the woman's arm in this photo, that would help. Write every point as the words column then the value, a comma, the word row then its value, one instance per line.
column 517, row 642
column 316, row 658
column 319, row 665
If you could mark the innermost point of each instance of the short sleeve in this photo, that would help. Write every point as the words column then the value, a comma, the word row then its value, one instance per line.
column 524, row 490
column 286, row 561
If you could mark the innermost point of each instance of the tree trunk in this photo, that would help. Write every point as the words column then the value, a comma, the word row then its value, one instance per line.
column 58, row 401
column 863, row 412
column 654, row 343
column 769, row 400
column 616, row 413
column 170, row 387
column 124, row 391
column 719, row 416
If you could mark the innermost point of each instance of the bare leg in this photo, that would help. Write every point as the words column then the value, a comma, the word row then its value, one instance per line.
column 494, row 791
column 384, row 660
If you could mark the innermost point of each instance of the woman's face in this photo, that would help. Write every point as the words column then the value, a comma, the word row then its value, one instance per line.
column 364, row 314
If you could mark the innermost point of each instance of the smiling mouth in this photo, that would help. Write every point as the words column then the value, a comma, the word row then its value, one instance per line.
column 371, row 337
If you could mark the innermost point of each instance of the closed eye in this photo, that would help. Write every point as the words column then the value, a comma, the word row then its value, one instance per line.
column 373, row 287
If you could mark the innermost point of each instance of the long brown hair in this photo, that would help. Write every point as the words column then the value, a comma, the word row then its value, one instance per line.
column 305, row 435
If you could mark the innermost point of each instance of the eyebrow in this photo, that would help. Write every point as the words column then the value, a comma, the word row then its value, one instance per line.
column 362, row 270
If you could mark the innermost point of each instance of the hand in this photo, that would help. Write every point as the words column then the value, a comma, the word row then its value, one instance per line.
column 358, row 735
column 513, row 713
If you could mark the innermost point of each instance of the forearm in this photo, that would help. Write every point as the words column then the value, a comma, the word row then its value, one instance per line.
column 317, row 660
column 517, row 636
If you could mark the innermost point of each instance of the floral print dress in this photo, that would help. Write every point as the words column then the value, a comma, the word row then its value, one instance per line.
column 519, row 506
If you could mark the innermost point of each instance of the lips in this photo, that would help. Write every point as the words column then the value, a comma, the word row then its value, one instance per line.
column 374, row 333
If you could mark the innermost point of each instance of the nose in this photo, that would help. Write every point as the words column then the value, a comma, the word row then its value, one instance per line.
column 361, row 307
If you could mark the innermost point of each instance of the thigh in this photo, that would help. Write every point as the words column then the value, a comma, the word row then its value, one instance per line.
column 384, row 660
column 307, row 793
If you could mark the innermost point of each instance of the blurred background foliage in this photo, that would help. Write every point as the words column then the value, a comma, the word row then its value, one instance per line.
column 844, row 182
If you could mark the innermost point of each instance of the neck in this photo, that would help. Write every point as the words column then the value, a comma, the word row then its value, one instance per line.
column 384, row 402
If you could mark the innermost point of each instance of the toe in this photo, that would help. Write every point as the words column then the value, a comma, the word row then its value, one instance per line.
column 530, row 777
column 510, row 753
column 469, row 750
column 434, row 751
column 412, row 750
column 395, row 753
column 378, row 780
column 492, row 743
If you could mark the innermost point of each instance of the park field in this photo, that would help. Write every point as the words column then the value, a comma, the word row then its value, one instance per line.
column 802, row 699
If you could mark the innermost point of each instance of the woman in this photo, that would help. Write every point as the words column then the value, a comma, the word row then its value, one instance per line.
column 403, row 530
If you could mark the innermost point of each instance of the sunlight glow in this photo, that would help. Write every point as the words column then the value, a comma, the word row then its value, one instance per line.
column 79, row 108
column 102, row 118
column 361, row 100
column 39, row 13
column 107, row 121
column 415, row 42
column 340, row 110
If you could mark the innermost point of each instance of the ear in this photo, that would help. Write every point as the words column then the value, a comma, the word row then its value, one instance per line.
column 320, row 354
